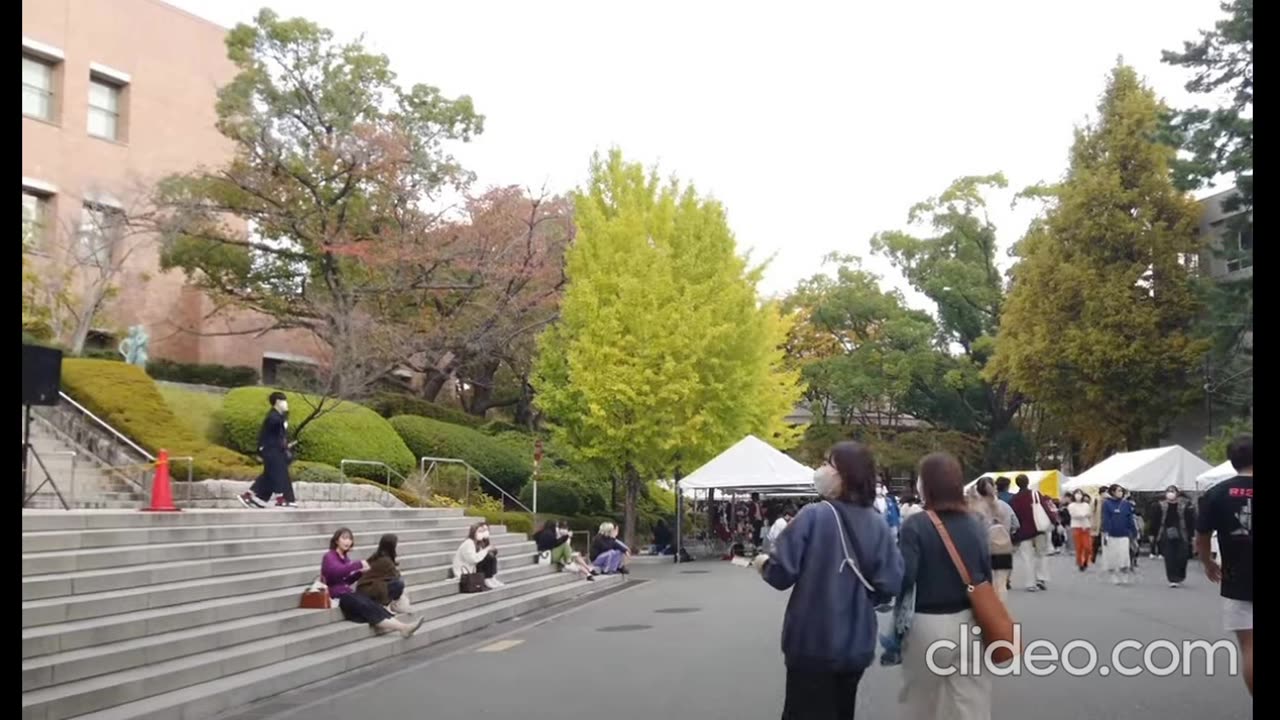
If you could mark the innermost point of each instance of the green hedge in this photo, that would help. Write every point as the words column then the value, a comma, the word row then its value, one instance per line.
column 128, row 400
column 390, row 405
column 348, row 431
column 556, row 497
column 314, row 472
column 498, row 427
column 516, row 522
column 432, row 438
column 199, row 374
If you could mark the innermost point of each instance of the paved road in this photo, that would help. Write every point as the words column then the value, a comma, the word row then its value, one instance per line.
column 716, row 657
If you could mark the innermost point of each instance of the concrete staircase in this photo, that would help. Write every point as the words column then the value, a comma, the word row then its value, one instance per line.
column 186, row 615
column 81, row 478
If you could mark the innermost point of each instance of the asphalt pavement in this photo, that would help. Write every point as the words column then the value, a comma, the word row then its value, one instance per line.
column 701, row 641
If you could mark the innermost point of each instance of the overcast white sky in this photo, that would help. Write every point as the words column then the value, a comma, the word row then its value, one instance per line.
column 818, row 124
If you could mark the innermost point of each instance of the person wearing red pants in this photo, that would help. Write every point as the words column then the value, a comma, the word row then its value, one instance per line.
column 1080, row 511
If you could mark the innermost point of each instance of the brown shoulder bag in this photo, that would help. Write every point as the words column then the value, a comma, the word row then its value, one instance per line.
column 989, row 611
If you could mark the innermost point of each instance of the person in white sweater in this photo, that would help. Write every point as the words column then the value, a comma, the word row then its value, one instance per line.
column 1081, row 512
column 476, row 554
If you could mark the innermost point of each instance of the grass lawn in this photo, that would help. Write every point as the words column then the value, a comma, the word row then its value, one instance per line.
column 197, row 409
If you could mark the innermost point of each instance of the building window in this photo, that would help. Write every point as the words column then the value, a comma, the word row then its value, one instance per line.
column 1240, row 250
column 1190, row 261
column 35, row 219
column 100, row 231
column 37, row 88
column 104, row 109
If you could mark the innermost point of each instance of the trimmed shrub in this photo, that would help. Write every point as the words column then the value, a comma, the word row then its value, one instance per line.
column 202, row 374
column 516, row 522
column 198, row 409
column 389, row 405
column 314, row 472
column 128, row 400
column 556, row 497
column 348, row 431
column 497, row 427
column 400, row 494
column 433, row 438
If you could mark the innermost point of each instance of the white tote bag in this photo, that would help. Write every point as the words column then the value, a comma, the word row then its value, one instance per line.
column 1043, row 523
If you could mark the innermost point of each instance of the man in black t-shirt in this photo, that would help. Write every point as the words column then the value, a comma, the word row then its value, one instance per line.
column 1227, row 508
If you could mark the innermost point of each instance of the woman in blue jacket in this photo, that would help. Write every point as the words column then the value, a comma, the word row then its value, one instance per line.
column 1117, row 531
column 840, row 561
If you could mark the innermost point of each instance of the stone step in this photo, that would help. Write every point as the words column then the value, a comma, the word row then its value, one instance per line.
column 61, row 540
column 80, row 582
column 43, row 521
column 96, row 631
column 35, row 564
column 104, row 691
column 49, row 501
column 94, row 594
column 430, row 600
column 295, row 660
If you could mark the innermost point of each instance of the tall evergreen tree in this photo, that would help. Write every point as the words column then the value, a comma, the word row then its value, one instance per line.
column 1098, row 325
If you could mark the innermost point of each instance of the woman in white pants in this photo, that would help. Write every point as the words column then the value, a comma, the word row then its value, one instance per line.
column 934, row 688
column 1117, row 527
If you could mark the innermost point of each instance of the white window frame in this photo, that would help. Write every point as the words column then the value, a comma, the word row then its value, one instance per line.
column 43, row 193
column 1243, row 257
column 116, row 114
column 93, row 246
column 50, row 92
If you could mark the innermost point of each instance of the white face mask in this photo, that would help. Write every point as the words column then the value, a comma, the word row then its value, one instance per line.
column 1171, row 496
column 482, row 535
column 827, row 482
column 282, row 406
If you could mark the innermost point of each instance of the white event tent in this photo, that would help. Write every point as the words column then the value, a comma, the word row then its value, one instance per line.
column 752, row 465
column 1144, row 471
column 1215, row 475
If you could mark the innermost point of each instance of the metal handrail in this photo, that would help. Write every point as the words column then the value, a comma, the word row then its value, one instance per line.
column 119, row 436
column 342, row 466
column 422, row 464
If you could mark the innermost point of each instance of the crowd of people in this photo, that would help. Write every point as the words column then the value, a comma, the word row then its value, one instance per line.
column 373, row 592
column 844, row 557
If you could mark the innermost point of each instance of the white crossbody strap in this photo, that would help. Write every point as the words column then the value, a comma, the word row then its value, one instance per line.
column 844, row 545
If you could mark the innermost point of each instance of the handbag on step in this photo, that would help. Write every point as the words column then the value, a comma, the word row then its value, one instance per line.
column 315, row 597
column 989, row 611
column 471, row 583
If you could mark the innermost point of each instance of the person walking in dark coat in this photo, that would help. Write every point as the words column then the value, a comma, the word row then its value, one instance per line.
column 1173, row 521
column 277, row 453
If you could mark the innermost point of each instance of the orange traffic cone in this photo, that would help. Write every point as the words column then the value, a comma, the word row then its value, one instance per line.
column 161, row 492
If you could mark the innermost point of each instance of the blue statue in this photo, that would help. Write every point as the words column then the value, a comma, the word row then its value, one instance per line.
column 134, row 346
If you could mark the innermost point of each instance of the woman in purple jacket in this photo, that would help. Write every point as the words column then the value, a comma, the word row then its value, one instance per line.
column 340, row 573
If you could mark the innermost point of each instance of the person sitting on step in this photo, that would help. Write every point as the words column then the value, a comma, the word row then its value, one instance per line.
column 477, row 554
column 338, row 571
column 608, row 555
column 554, row 545
column 382, row 581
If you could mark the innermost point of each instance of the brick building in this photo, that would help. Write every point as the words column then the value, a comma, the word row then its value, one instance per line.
column 116, row 94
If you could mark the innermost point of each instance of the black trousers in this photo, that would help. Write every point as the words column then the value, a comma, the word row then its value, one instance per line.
column 488, row 566
column 395, row 589
column 274, row 477
column 821, row 695
column 1176, row 554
